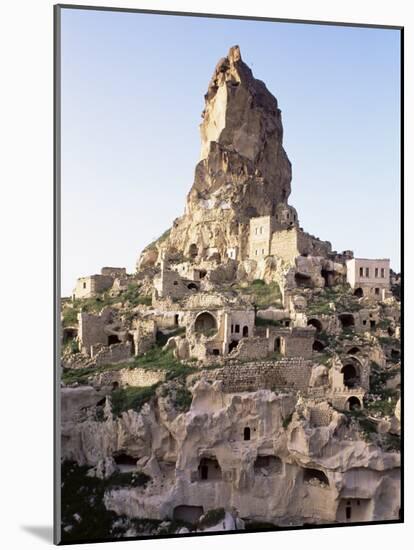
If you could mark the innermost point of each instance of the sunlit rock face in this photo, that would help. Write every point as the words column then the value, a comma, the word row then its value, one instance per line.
column 244, row 170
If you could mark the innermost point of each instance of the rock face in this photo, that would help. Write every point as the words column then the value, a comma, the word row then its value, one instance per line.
column 281, row 470
column 243, row 171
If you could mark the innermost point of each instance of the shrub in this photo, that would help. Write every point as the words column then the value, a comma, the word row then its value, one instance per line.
column 84, row 495
column 211, row 518
column 263, row 295
column 124, row 399
column 183, row 399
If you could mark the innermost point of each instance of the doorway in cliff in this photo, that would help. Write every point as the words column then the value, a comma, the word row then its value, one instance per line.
column 125, row 462
column 209, row 469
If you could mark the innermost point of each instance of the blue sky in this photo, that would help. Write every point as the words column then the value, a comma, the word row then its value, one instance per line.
column 132, row 95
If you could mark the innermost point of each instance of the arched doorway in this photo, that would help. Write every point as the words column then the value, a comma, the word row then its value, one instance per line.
column 351, row 375
column 205, row 324
column 245, row 331
column 317, row 477
column 353, row 404
column 315, row 323
column 358, row 292
column 246, row 433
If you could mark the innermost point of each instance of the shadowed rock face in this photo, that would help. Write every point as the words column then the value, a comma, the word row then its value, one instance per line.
column 244, row 170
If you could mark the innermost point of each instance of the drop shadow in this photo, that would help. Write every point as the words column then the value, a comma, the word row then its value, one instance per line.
column 43, row 532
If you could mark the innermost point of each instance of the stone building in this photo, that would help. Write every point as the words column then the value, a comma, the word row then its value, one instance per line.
column 369, row 277
column 90, row 286
column 172, row 284
column 281, row 236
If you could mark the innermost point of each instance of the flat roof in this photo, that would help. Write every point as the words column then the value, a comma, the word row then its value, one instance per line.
column 369, row 259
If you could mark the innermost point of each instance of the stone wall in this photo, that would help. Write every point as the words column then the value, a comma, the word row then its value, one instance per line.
column 91, row 329
column 113, row 272
column 87, row 287
column 294, row 341
column 320, row 415
column 251, row 348
column 131, row 377
column 284, row 244
column 291, row 374
column 112, row 354
column 144, row 335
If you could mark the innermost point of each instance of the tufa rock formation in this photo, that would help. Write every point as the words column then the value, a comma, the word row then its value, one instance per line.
column 243, row 171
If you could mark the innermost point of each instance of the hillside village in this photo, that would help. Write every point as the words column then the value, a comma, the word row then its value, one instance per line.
column 246, row 376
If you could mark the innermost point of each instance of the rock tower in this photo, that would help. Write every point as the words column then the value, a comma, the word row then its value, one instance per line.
column 243, row 170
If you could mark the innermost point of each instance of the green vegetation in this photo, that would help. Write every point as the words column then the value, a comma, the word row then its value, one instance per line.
column 84, row 516
column 259, row 322
column 183, row 399
column 163, row 337
column 158, row 359
column 389, row 341
column 131, row 397
column 211, row 518
column 133, row 296
column 340, row 295
column 81, row 376
column 385, row 405
column 180, row 395
column 263, row 295
column 391, row 442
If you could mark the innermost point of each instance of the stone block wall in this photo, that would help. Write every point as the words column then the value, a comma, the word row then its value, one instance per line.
column 87, row 287
column 251, row 348
column 320, row 416
column 291, row 374
column 112, row 354
column 131, row 377
column 91, row 329
column 284, row 244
